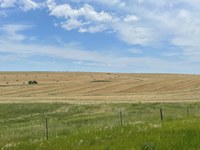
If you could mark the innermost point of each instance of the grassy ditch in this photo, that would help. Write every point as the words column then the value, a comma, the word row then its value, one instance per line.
column 98, row 126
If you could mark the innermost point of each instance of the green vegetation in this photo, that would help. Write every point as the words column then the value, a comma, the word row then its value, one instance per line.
column 97, row 126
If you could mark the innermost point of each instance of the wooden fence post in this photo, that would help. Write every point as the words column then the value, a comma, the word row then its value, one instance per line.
column 120, row 115
column 161, row 114
column 46, row 129
column 188, row 112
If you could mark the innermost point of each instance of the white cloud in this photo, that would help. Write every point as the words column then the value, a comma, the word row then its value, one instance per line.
column 93, row 29
column 11, row 43
column 105, row 3
column 7, row 3
column 192, row 54
column 12, row 31
column 134, row 35
column 71, row 23
column 135, row 51
column 131, row 18
column 51, row 4
column 25, row 5
column 128, row 28
column 173, row 23
column 86, row 11
column 64, row 11
column 171, row 54
column 118, row 3
column 95, row 59
column 29, row 4
column 68, row 51
column 85, row 19
column 188, row 33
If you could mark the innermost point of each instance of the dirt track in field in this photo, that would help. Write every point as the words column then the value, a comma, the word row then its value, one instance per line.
column 80, row 87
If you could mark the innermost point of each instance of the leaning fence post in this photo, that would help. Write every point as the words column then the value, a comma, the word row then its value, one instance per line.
column 188, row 112
column 161, row 114
column 46, row 129
column 120, row 115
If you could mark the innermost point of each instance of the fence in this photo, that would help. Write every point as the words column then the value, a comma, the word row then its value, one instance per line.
column 58, row 123
column 59, row 126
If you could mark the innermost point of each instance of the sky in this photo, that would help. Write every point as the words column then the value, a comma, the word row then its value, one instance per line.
column 134, row 36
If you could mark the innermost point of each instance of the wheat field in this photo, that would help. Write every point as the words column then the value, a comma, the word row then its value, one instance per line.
column 87, row 87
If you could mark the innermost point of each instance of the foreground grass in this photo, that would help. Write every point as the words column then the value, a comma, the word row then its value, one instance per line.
column 98, row 126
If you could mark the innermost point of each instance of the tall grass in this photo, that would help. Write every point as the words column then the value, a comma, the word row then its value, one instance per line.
column 22, row 126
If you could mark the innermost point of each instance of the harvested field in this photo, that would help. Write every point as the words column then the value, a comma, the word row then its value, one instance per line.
column 79, row 87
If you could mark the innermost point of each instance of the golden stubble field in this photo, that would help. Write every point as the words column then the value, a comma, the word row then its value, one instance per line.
column 80, row 87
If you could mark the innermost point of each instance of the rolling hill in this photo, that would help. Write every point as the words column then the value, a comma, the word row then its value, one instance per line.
column 98, row 87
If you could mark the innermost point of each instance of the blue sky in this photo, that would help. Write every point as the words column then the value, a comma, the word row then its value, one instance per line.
column 136, row 36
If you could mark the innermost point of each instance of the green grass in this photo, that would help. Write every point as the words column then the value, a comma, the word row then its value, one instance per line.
column 97, row 126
